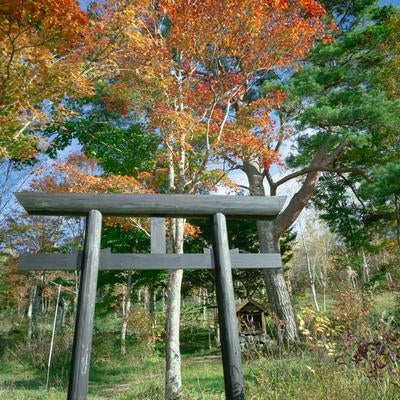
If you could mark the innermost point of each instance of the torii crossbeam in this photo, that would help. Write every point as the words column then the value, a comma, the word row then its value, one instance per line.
column 91, row 259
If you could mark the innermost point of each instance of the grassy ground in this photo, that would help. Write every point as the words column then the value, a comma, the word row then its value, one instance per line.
column 294, row 378
column 140, row 375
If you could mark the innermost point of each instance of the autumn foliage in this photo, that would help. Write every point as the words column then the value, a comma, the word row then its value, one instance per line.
column 37, row 71
column 80, row 174
column 192, row 66
column 253, row 35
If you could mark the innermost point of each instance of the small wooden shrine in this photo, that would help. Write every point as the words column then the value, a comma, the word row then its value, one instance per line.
column 251, row 318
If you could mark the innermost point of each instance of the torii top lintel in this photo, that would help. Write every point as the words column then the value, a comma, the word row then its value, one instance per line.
column 151, row 205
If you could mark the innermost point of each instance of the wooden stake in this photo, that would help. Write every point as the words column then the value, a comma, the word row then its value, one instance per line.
column 79, row 375
column 52, row 338
column 231, row 357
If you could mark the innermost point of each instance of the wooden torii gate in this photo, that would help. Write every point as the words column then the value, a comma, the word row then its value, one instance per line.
column 91, row 259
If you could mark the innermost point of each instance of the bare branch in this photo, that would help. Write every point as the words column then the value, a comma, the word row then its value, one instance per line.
column 336, row 153
column 322, row 168
column 353, row 189
column 271, row 182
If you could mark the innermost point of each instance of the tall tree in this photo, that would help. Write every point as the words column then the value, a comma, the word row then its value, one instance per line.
column 196, row 64
column 384, row 191
column 115, row 138
column 335, row 114
column 19, row 234
column 352, row 107
column 185, row 67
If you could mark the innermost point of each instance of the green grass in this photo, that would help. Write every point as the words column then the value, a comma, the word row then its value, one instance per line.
column 381, row 302
column 140, row 376
column 385, row 302
column 309, row 378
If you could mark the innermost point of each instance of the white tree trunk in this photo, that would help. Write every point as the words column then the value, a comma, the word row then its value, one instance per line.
column 204, row 297
column 365, row 268
column 163, row 303
column 153, row 314
column 76, row 273
column 310, row 269
column 324, row 277
column 173, row 378
column 30, row 314
column 35, row 296
column 126, row 312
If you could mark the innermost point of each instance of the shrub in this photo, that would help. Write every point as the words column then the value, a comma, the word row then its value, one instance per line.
column 352, row 311
column 318, row 330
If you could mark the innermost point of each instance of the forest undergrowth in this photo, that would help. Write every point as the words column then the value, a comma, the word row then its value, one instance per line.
column 349, row 353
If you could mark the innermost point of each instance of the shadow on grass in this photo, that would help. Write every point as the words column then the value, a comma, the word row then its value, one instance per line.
column 27, row 384
column 194, row 341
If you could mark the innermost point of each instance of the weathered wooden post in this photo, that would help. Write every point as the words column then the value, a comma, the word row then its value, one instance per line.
column 158, row 245
column 157, row 239
column 231, row 357
column 80, row 367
